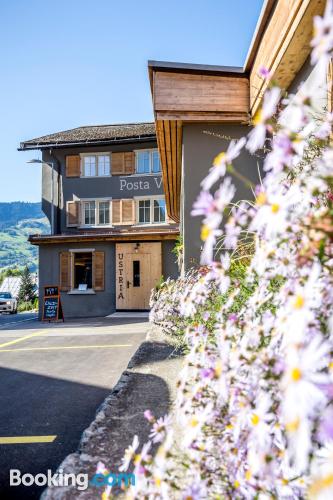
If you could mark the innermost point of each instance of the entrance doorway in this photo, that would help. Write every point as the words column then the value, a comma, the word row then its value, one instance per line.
column 139, row 268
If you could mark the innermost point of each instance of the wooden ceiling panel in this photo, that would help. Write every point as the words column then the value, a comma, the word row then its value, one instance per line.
column 284, row 46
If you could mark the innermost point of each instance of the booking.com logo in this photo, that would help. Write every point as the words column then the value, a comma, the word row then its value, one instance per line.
column 62, row 479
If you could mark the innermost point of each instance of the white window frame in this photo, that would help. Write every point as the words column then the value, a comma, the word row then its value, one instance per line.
column 153, row 209
column 83, row 212
column 106, row 224
column 137, row 217
column 97, row 202
column 150, row 151
column 84, row 155
column 151, row 198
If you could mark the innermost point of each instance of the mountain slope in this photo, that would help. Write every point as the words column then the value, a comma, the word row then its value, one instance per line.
column 17, row 221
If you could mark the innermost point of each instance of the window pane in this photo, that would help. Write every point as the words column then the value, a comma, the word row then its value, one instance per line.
column 89, row 166
column 136, row 273
column 159, row 210
column 83, row 269
column 143, row 166
column 144, row 211
column 104, row 212
column 89, row 213
column 103, row 164
column 156, row 165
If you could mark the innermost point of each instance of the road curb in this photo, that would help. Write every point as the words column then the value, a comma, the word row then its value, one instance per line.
column 147, row 383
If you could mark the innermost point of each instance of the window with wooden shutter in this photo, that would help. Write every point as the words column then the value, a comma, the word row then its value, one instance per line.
column 128, row 212
column 116, row 219
column 65, row 271
column 73, row 166
column 73, row 213
column 118, row 164
column 98, row 271
column 129, row 163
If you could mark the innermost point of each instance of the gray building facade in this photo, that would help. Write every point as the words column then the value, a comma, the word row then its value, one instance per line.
column 111, row 241
column 201, row 144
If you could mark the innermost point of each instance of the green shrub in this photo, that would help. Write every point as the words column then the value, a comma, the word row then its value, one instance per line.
column 166, row 301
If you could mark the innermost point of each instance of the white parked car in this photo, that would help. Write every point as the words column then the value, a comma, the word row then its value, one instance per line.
column 8, row 303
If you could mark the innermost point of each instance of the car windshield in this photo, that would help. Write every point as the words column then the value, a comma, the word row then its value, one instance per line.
column 5, row 295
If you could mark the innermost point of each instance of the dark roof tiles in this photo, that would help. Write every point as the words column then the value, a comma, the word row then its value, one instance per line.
column 94, row 134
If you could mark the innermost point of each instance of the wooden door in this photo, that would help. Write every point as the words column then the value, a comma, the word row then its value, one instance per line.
column 139, row 268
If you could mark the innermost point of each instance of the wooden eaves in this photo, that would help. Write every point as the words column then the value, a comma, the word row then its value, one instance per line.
column 158, row 234
column 185, row 93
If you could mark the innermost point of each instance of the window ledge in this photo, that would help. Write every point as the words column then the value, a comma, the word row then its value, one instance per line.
column 147, row 174
column 96, row 226
column 81, row 292
column 149, row 224
column 94, row 176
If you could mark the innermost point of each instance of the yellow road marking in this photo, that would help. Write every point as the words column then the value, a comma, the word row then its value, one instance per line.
column 27, row 439
column 55, row 348
column 20, row 339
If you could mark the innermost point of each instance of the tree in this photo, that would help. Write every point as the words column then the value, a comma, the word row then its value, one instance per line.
column 27, row 289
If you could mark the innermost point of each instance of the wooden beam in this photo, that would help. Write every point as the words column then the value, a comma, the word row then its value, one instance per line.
column 54, row 240
column 169, row 135
column 161, row 146
column 284, row 46
column 174, row 144
column 179, row 92
column 201, row 116
column 179, row 163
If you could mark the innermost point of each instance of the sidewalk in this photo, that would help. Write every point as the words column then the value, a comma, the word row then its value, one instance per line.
column 147, row 383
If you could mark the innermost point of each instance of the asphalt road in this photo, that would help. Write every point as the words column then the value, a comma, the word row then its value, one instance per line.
column 53, row 379
column 13, row 319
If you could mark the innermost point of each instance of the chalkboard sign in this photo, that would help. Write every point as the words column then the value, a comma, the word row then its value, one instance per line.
column 52, row 309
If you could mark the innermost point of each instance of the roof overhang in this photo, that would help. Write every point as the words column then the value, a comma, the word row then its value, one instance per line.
column 191, row 93
column 159, row 234
column 25, row 146
column 199, row 93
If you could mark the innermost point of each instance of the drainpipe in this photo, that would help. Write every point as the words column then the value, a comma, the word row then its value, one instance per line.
column 57, row 226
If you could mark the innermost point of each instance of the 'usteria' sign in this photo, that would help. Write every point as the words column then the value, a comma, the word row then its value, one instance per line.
column 131, row 184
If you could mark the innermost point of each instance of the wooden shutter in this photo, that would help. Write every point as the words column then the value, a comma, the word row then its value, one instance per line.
column 129, row 163
column 116, row 219
column 65, row 271
column 73, row 213
column 73, row 166
column 118, row 163
column 98, row 271
column 123, row 212
column 127, row 212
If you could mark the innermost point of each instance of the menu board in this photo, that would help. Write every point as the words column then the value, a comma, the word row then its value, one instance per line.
column 52, row 309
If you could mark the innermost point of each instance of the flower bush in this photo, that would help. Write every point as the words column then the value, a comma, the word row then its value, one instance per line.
column 165, row 304
column 255, row 396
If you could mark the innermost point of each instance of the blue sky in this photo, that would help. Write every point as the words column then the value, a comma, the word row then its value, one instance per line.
column 67, row 63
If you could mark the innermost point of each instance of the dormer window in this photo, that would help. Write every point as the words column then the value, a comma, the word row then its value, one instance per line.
column 147, row 161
